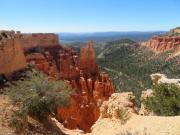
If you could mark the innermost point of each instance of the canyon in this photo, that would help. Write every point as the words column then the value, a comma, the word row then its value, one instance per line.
column 94, row 104
column 44, row 53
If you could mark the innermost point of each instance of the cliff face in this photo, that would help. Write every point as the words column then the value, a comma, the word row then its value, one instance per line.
column 12, row 58
column 175, row 31
column 161, row 44
column 91, row 86
column 30, row 41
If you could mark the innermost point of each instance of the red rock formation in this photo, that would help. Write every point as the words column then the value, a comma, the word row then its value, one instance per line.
column 68, row 62
column 45, row 54
column 44, row 62
column 91, row 86
column 164, row 43
column 11, row 55
column 83, row 110
column 42, row 51
column 30, row 41
column 87, row 59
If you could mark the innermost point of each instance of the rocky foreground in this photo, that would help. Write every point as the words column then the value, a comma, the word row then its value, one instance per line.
column 135, row 125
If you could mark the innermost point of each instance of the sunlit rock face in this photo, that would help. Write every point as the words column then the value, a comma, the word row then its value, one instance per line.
column 87, row 59
column 158, row 78
column 44, row 62
column 91, row 86
column 118, row 102
column 161, row 44
column 42, row 52
column 11, row 55
column 39, row 40
column 144, row 111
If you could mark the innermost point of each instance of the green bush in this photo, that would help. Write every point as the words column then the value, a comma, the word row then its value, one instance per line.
column 165, row 100
column 17, row 121
column 123, row 115
column 37, row 96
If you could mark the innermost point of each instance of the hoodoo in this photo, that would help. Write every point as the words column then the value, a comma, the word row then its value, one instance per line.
column 92, row 87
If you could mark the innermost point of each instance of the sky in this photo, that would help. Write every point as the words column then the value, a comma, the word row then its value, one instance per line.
column 89, row 15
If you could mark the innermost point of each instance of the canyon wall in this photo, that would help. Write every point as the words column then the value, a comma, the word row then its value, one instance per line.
column 30, row 41
column 12, row 58
column 175, row 31
column 161, row 44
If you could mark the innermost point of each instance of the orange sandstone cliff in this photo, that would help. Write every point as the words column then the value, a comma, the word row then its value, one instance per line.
column 30, row 41
column 161, row 44
column 92, row 88
column 12, row 58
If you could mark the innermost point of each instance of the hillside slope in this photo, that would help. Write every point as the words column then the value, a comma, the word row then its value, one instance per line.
column 130, row 65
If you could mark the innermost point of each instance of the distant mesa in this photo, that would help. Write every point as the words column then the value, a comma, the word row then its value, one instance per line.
column 175, row 31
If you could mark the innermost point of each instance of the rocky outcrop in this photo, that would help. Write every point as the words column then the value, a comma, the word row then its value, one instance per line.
column 118, row 102
column 161, row 44
column 144, row 111
column 156, row 78
column 87, row 59
column 12, row 58
column 43, row 62
column 175, row 31
column 91, row 86
column 47, row 40
column 42, row 51
column 161, row 78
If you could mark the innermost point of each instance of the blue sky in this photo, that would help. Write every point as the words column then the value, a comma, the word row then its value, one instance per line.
column 89, row 15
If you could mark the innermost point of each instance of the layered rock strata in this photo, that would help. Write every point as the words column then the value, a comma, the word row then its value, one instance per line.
column 161, row 44
column 92, row 88
column 39, row 40
column 12, row 58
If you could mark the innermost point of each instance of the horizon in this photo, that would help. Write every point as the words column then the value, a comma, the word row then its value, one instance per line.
column 90, row 16
column 87, row 32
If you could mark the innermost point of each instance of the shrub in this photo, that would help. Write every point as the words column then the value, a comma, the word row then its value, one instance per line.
column 37, row 96
column 17, row 121
column 123, row 115
column 165, row 100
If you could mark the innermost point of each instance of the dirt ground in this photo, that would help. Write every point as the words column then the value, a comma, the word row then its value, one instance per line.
column 5, row 110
